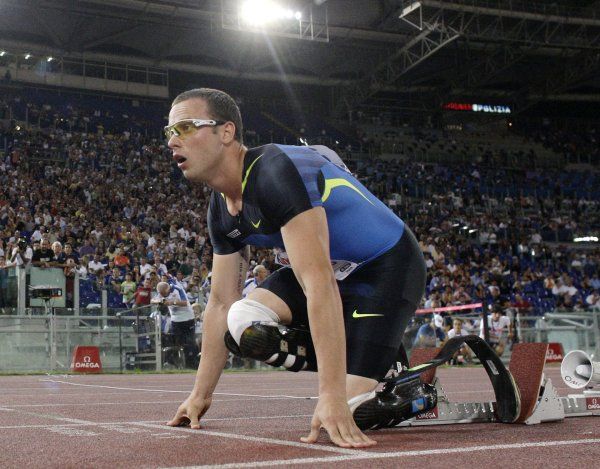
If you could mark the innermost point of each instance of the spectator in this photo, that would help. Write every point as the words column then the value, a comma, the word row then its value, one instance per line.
column 96, row 266
column 115, row 279
column 59, row 255
column 43, row 258
column 128, row 289
column 429, row 335
column 182, row 319
column 260, row 273
column 500, row 329
column 465, row 352
column 21, row 254
column 593, row 300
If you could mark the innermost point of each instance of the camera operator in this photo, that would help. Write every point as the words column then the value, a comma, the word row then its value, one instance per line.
column 21, row 254
column 182, row 318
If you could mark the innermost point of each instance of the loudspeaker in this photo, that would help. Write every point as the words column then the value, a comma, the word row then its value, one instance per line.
column 579, row 371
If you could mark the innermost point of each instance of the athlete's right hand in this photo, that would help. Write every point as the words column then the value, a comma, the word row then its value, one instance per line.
column 190, row 411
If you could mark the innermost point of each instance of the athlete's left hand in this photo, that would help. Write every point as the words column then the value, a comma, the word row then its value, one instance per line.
column 333, row 414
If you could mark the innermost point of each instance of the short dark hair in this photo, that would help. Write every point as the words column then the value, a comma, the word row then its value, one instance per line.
column 221, row 106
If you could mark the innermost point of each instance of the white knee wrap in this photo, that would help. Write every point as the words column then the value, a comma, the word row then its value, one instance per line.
column 244, row 313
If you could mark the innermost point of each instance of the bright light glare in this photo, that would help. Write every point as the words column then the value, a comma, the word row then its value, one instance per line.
column 50, row 59
column 259, row 12
column 586, row 239
column 27, row 56
column 2, row 53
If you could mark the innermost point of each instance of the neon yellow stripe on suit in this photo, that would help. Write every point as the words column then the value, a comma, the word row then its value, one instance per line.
column 331, row 184
column 248, row 173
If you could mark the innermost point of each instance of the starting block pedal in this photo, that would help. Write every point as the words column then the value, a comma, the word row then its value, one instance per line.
column 421, row 355
column 540, row 401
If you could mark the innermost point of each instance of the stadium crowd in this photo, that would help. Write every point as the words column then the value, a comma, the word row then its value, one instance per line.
column 82, row 194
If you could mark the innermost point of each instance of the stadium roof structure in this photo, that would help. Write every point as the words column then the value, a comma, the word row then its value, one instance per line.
column 370, row 52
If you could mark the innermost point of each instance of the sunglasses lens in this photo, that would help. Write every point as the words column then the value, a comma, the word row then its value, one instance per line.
column 184, row 128
column 180, row 129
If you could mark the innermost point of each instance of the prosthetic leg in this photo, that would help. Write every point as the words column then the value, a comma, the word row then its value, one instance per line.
column 275, row 345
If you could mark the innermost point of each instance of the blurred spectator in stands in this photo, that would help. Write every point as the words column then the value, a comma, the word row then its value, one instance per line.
column 96, row 265
column 82, row 269
column 121, row 259
column 145, row 268
column 43, row 258
column 21, row 254
column 70, row 254
column 595, row 281
column 593, row 300
column 128, row 288
column 59, row 255
column 161, row 268
column 153, row 276
column 180, row 280
column 464, row 354
column 87, row 249
column 499, row 328
column 429, row 335
column 460, row 296
column 522, row 305
column 115, row 279
column 259, row 274
column 143, row 293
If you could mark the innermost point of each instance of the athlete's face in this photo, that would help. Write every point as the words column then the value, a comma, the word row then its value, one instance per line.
column 198, row 152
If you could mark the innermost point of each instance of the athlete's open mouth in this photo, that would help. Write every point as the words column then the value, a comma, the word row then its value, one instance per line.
column 179, row 159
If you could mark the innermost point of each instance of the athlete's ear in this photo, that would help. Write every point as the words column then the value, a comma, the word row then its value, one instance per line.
column 228, row 134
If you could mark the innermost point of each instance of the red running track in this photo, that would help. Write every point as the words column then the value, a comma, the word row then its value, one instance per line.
column 256, row 420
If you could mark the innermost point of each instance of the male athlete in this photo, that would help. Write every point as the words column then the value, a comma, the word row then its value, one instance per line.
column 355, row 275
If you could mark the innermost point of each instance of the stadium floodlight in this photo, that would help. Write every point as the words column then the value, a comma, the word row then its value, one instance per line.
column 2, row 53
column 586, row 239
column 27, row 56
column 49, row 59
column 261, row 12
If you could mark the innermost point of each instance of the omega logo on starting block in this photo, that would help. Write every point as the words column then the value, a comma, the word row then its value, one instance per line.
column 429, row 415
column 592, row 403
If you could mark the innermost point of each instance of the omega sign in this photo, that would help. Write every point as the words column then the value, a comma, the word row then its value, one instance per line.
column 87, row 363
column 86, row 359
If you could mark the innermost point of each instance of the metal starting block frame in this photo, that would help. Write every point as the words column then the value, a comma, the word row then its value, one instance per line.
column 540, row 401
column 550, row 408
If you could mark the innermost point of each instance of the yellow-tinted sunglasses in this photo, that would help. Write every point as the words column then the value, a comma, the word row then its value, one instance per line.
column 187, row 126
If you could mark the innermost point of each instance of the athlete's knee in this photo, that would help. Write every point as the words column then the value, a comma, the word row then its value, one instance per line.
column 244, row 313
column 254, row 332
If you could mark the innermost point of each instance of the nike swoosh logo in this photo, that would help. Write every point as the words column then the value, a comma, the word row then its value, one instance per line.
column 255, row 225
column 358, row 315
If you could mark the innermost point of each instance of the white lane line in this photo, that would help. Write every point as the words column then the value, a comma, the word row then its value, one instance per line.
column 92, row 404
column 275, row 396
column 48, row 416
column 358, row 455
column 257, row 439
column 127, row 422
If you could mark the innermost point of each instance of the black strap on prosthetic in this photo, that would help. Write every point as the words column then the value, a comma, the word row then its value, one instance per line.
column 508, row 397
column 262, row 342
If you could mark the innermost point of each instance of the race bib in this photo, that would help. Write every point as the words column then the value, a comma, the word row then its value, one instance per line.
column 341, row 269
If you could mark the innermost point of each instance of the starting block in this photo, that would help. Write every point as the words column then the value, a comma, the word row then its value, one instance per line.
column 540, row 401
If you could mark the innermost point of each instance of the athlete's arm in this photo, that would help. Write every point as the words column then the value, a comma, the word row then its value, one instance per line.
column 228, row 275
column 306, row 239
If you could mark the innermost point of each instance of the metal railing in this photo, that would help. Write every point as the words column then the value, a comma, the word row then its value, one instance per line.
column 574, row 330
column 46, row 342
